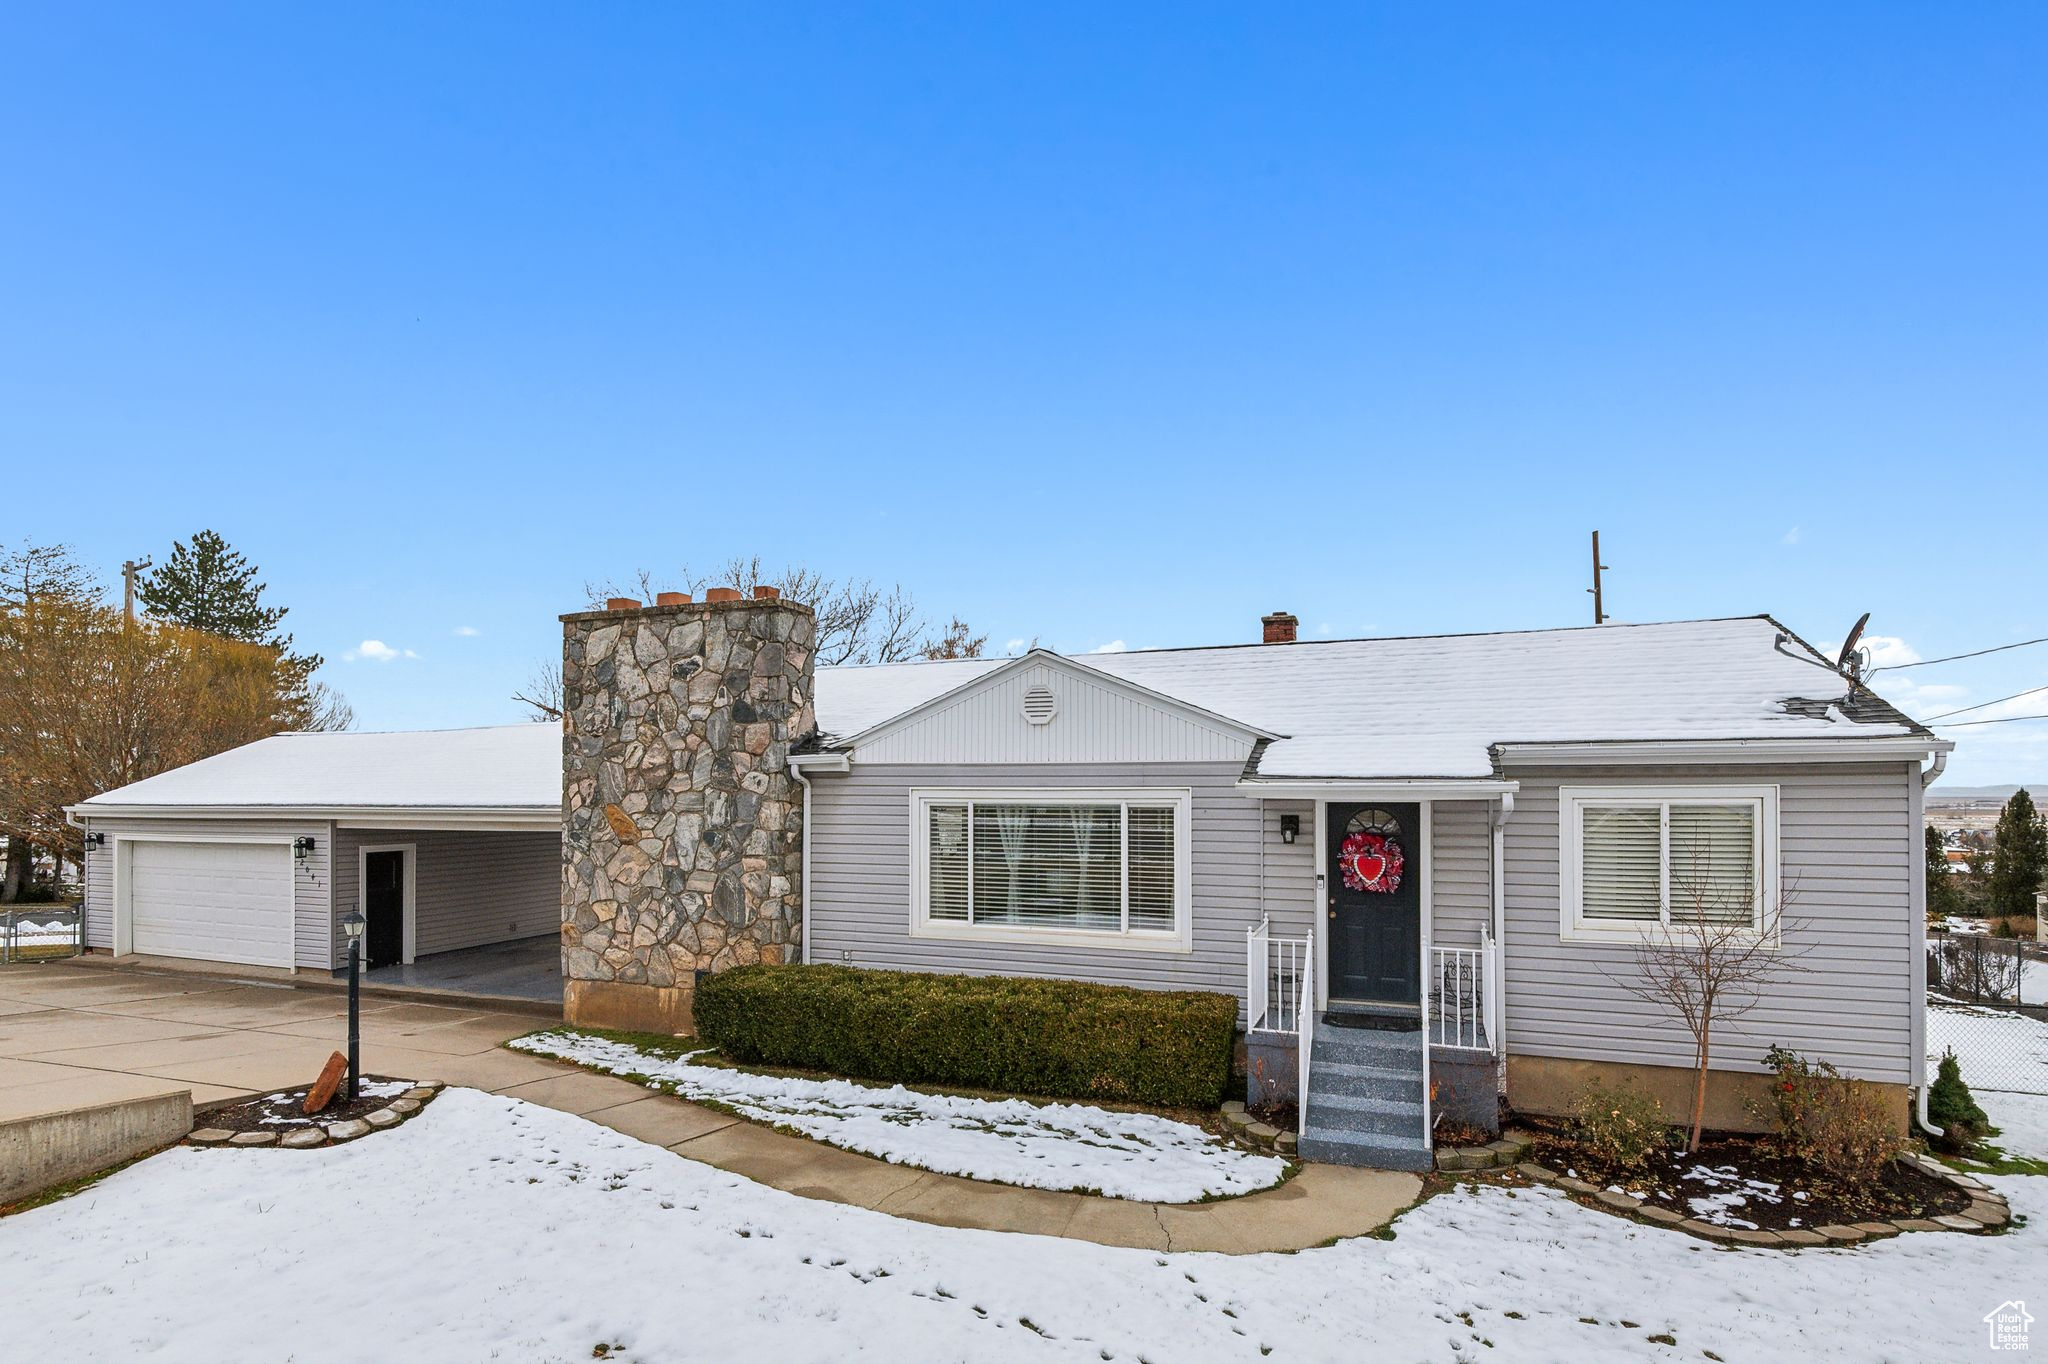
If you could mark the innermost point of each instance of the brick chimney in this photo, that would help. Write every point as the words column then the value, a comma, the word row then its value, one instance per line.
column 682, row 832
column 1280, row 627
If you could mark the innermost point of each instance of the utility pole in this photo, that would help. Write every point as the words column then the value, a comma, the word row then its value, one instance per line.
column 1599, row 603
column 130, row 569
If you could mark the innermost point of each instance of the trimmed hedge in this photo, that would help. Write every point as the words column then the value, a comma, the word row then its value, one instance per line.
column 1058, row 1038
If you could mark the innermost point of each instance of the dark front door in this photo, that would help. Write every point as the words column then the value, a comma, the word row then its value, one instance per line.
column 1375, row 903
column 384, row 907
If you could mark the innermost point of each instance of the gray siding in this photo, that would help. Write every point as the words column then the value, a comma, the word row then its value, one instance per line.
column 1460, row 871
column 470, row 887
column 1289, row 883
column 1846, row 841
column 858, row 906
column 1097, row 721
column 311, row 880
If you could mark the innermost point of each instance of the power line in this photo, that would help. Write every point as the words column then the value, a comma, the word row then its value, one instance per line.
column 2002, row 720
column 1965, row 710
column 1979, row 653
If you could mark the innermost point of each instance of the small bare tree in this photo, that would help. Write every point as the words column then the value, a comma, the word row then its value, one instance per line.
column 543, row 692
column 1708, row 964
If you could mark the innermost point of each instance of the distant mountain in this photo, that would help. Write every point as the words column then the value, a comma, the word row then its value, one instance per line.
column 1943, row 792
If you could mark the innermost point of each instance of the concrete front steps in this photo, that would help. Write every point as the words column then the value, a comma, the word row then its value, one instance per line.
column 1365, row 1099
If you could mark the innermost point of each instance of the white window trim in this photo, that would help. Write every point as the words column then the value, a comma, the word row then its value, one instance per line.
column 1572, row 801
column 1180, row 799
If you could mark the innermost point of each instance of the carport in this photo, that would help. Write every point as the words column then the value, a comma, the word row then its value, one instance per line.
column 447, row 841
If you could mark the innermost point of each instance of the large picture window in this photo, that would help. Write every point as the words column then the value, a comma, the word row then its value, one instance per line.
column 1638, row 859
column 1104, row 866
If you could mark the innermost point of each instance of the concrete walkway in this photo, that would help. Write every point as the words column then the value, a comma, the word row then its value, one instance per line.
column 71, row 1034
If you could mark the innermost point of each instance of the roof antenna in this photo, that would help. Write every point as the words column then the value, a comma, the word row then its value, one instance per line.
column 1854, row 661
column 1599, row 606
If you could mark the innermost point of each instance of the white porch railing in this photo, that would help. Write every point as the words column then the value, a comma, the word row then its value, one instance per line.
column 1305, row 1027
column 1276, row 979
column 1464, row 995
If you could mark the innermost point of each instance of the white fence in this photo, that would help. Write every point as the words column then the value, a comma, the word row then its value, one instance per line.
column 1464, row 995
column 1277, row 980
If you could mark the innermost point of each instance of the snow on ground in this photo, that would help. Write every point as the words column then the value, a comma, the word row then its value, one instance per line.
column 29, row 932
column 488, row 1229
column 1010, row 1141
column 2003, row 1054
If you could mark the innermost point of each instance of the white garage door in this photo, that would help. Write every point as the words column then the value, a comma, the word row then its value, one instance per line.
column 212, row 901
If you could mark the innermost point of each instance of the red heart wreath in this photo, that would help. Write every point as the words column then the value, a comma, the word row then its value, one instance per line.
column 1371, row 862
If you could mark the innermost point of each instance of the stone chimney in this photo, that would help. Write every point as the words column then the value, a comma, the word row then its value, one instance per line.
column 1280, row 627
column 682, row 826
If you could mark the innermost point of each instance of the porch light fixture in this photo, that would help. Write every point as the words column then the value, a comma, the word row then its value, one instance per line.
column 95, row 840
column 1290, row 828
column 302, row 847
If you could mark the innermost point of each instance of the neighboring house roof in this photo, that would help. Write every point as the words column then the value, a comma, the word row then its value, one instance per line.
column 508, row 767
column 1436, row 707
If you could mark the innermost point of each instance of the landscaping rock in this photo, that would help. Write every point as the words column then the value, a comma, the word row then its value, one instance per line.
column 1916, row 1224
column 1234, row 1110
column 1876, row 1228
column 1537, row 1172
column 347, row 1131
column 383, row 1117
column 405, row 1106
column 1262, row 1133
column 1991, row 1214
column 1613, row 1198
column 1664, row 1215
column 253, row 1139
column 1799, row 1236
column 420, row 1092
column 1576, row 1185
column 1842, row 1233
column 209, row 1136
column 1287, row 1143
column 1706, row 1229
column 1954, row 1223
column 1747, row 1237
column 300, row 1138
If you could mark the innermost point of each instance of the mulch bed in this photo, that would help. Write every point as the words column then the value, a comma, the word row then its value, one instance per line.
column 283, row 1111
column 1745, row 1182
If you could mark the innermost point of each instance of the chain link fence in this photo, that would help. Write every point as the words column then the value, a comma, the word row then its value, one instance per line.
column 41, row 932
column 1987, row 1000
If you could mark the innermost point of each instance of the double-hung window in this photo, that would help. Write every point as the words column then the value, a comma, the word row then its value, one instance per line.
column 1640, row 859
column 1102, row 867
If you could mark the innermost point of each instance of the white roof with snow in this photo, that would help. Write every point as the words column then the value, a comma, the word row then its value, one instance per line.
column 1431, row 706
column 1423, row 707
column 514, row 767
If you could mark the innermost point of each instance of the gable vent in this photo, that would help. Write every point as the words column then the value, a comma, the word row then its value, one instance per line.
column 1039, row 704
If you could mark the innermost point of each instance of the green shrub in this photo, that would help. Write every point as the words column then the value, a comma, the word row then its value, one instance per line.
column 1057, row 1038
column 1840, row 1125
column 1620, row 1122
column 1952, row 1108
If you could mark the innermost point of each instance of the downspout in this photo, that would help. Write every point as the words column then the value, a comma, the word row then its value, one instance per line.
column 803, row 900
column 829, row 762
column 1503, row 807
column 1918, row 900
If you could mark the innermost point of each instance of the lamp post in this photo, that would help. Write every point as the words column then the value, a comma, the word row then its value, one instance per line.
column 352, row 925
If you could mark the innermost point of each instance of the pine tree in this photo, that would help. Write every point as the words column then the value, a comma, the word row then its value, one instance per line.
column 1943, row 896
column 208, row 586
column 2019, row 857
column 1951, row 1107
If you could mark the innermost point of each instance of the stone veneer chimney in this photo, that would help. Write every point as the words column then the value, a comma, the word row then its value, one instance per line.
column 682, row 826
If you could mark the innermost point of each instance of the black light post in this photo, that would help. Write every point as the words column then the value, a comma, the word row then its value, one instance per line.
column 352, row 925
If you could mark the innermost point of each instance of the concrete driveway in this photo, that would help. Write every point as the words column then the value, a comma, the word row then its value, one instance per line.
column 73, row 1034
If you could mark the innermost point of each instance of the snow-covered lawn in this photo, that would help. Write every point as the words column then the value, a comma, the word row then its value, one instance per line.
column 2002, row 1054
column 492, row 1230
column 1038, row 1146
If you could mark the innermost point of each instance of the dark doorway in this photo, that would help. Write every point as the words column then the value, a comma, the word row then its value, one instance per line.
column 383, row 907
column 1375, row 903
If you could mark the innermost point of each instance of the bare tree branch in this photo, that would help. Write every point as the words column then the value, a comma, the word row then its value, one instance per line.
column 543, row 692
column 1709, row 964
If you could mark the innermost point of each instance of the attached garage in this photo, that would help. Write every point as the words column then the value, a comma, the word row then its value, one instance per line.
column 209, row 901
column 448, row 841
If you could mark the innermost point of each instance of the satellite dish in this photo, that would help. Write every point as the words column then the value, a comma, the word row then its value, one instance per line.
column 1852, row 660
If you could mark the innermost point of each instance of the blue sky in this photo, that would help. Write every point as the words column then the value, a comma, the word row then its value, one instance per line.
column 1088, row 323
